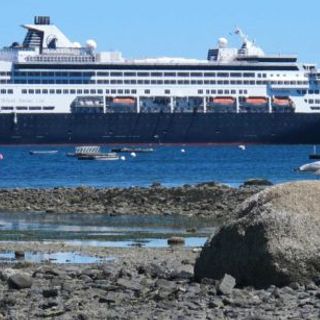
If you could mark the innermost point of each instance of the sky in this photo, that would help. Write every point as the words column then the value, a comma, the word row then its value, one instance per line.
column 179, row 28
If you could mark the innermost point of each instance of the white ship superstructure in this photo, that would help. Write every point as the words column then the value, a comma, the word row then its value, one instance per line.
column 48, row 73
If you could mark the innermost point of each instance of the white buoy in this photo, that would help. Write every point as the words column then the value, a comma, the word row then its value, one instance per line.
column 183, row 151
column 133, row 154
column 1, row 156
column 123, row 158
column 242, row 147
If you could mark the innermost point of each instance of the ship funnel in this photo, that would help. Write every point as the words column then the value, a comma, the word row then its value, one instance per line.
column 42, row 20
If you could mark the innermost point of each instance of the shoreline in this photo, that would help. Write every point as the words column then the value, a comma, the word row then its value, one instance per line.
column 211, row 200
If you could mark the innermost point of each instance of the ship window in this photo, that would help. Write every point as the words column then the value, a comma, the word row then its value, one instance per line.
column 24, row 91
column 226, row 91
column 311, row 101
column 220, row 91
column 48, row 108
column 186, row 82
column 58, row 91
column 133, row 91
column 196, row 74
column 31, row 91
column 233, row 91
column 199, row 82
column 66, row 91
column 235, row 75
column 252, row 82
column 100, row 91
column 133, row 81
column 116, row 74
column 22, row 108
column 248, row 75
column 107, row 91
column 72, row 91
column 127, row 91
column 6, row 108
column 223, row 74
column 143, row 74
column 146, row 81
column 2, row 73
column 153, row 82
column 206, row 82
column 264, row 75
column 245, row 91
column 212, row 82
column 120, row 91
column 316, row 91
column 38, row 91
column 147, row 91
column 130, row 74
column 209, row 74
column 200, row 91
column 167, row 91
column 169, row 74
column 113, row 91
column 34, row 108
column 52, row 91
column 317, row 101
column 183, row 74
column 93, row 92
column 226, row 82
column 156, row 74
column 315, row 108
column 220, row 82
column 126, row 81
column 103, row 74
column 86, row 91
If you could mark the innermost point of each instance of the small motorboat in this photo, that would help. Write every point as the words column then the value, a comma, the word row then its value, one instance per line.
column 100, row 157
column 85, row 150
column 310, row 167
column 42, row 152
column 132, row 150
column 314, row 155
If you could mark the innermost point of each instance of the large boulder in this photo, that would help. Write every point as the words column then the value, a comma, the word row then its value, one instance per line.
column 274, row 239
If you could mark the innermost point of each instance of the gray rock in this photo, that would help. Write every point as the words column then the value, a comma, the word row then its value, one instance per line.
column 20, row 281
column 275, row 239
column 226, row 284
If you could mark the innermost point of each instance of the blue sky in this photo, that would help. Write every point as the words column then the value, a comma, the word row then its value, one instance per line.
column 143, row 28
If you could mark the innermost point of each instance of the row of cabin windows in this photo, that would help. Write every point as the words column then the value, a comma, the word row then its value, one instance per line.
column 163, row 82
column 49, row 108
column 223, row 91
column 135, row 74
column 74, row 91
column 89, row 74
column 311, row 101
column 119, row 91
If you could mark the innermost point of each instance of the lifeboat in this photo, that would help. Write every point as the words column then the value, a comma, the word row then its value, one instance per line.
column 282, row 102
column 223, row 101
column 256, row 101
column 125, row 101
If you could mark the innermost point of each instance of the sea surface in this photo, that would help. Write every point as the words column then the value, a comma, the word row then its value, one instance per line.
column 169, row 165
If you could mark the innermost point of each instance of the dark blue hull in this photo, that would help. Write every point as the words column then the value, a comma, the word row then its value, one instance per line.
column 280, row 128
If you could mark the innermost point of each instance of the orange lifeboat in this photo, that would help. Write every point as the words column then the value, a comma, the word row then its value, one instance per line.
column 126, row 101
column 223, row 101
column 256, row 101
column 282, row 102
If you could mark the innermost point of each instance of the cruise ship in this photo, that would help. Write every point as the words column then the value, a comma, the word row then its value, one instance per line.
column 53, row 90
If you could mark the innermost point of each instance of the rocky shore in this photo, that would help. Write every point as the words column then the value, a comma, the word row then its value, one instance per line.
column 143, row 284
column 270, row 238
column 205, row 200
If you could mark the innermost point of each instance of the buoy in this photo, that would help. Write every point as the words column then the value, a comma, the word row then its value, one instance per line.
column 123, row 158
column 1, row 156
column 242, row 147
column 133, row 154
column 183, row 151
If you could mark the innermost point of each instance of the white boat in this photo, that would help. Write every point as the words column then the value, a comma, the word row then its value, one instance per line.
column 310, row 167
column 101, row 157
column 43, row 152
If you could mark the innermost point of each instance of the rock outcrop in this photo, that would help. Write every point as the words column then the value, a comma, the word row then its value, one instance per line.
column 274, row 239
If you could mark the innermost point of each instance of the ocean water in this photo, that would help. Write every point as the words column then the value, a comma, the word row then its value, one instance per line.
column 168, row 165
